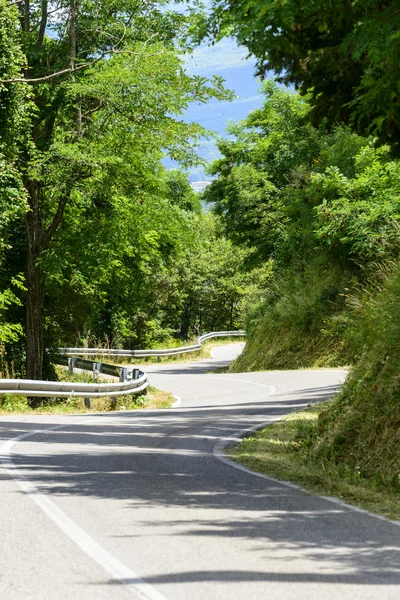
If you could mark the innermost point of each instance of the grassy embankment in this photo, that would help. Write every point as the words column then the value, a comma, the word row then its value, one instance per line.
column 299, row 322
column 350, row 446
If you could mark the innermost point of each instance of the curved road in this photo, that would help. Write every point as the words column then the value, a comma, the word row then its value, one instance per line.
column 142, row 505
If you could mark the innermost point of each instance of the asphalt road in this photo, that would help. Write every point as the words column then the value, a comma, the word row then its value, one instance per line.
column 141, row 505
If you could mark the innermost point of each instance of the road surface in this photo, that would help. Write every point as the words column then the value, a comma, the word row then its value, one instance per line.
column 141, row 505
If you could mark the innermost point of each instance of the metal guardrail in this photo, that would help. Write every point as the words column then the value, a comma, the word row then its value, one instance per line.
column 147, row 353
column 51, row 389
column 131, row 380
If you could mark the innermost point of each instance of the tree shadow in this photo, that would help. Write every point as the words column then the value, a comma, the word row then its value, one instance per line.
column 164, row 460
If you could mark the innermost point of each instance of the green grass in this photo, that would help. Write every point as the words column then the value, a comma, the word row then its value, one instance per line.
column 154, row 399
column 300, row 322
column 285, row 348
column 285, row 451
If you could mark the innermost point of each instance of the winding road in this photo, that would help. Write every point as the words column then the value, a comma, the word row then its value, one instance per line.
column 145, row 505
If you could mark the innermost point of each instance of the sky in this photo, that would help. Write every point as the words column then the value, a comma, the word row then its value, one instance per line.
column 229, row 61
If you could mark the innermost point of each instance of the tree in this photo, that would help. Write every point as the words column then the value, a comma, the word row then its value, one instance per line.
column 107, row 84
column 118, row 250
column 344, row 54
column 263, row 173
column 14, row 116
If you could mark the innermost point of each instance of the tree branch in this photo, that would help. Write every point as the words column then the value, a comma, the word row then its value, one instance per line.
column 54, row 225
column 52, row 75
column 72, row 69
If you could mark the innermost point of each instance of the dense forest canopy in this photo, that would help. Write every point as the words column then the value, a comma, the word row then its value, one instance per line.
column 97, row 240
column 344, row 54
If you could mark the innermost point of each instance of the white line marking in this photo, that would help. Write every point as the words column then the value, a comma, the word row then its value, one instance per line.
column 271, row 387
column 111, row 565
column 238, row 436
column 177, row 402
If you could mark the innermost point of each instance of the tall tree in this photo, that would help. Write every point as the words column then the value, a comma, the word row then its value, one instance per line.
column 107, row 84
column 345, row 54
column 14, row 118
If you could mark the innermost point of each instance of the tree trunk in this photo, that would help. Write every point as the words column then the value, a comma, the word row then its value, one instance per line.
column 35, row 285
column 185, row 322
column 34, row 319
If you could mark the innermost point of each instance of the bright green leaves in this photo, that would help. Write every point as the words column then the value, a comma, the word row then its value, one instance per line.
column 82, row 162
column 263, row 171
column 344, row 54
column 14, row 105
column 10, row 332
column 361, row 216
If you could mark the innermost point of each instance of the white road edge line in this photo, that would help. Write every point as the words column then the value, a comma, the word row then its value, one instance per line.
column 238, row 436
column 177, row 402
column 111, row 565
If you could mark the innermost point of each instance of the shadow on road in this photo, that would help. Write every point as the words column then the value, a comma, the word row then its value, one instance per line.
column 165, row 459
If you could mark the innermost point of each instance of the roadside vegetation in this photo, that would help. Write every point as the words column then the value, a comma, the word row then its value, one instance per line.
column 100, row 244
column 309, row 184
column 286, row 451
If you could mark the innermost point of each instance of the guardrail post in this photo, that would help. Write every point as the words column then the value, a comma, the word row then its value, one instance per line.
column 87, row 403
column 96, row 371
column 128, row 374
column 71, row 364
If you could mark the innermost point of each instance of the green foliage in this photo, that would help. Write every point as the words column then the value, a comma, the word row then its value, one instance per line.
column 359, row 429
column 14, row 106
column 86, row 116
column 14, row 113
column 359, row 216
column 299, row 320
column 262, row 172
column 213, row 288
column 180, row 193
column 345, row 55
column 323, row 209
column 10, row 332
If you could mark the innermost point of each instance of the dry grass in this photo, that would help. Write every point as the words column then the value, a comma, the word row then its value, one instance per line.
column 281, row 450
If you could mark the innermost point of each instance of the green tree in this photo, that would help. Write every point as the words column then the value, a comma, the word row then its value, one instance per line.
column 359, row 217
column 113, row 285
column 263, row 174
column 210, row 283
column 344, row 54
column 107, row 88
column 14, row 116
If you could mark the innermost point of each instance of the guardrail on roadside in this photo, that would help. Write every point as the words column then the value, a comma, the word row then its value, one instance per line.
column 131, row 380
column 147, row 353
